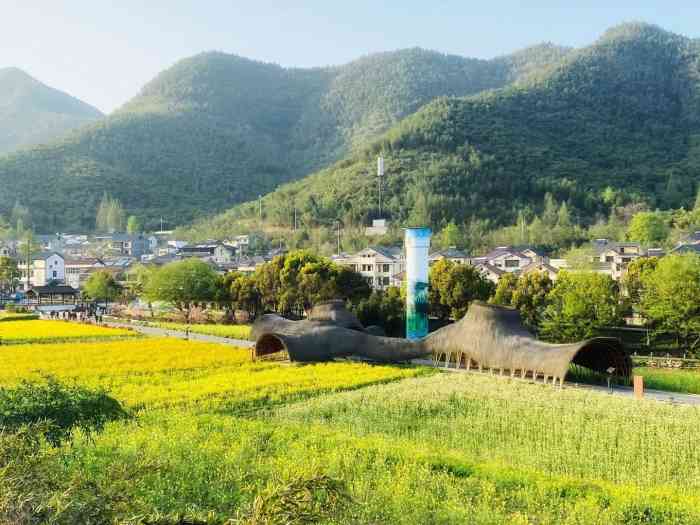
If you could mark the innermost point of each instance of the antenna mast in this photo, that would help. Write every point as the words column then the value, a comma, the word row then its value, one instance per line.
column 380, row 175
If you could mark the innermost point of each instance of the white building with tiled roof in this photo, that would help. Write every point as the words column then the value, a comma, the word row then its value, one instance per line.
column 380, row 266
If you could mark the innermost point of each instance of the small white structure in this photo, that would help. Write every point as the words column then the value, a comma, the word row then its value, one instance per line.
column 45, row 268
column 379, row 227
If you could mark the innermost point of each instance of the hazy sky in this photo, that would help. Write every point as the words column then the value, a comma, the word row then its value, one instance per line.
column 104, row 51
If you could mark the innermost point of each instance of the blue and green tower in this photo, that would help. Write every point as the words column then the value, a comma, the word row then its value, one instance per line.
column 417, row 246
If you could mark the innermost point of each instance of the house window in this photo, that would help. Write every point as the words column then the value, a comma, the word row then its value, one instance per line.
column 55, row 274
column 609, row 258
column 385, row 281
column 366, row 267
column 385, row 268
column 512, row 263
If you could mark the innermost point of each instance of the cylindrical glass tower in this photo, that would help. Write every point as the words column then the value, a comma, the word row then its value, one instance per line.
column 417, row 244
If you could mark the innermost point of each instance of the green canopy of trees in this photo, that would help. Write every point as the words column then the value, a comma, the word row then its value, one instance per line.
column 579, row 304
column 101, row 286
column 183, row 284
column 453, row 286
column 670, row 296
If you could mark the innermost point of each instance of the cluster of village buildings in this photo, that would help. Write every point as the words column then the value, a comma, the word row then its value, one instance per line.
column 68, row 260
column 384, row 267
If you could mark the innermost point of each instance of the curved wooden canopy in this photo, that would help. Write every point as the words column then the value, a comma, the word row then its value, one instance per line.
column 488, row 337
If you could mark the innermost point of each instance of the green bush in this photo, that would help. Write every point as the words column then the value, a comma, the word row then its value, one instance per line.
column 60, row 406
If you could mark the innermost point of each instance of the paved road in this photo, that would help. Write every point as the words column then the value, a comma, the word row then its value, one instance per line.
column 658, row 395
column 161, row 332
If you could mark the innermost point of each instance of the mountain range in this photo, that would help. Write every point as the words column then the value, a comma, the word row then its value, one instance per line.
column 217, row 129
column 32, row 113
column 462, row 138
column 618, row 121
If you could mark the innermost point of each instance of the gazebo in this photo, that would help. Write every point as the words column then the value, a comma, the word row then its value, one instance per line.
column 53, row 293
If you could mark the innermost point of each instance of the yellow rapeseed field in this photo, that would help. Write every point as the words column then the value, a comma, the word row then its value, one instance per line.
column 166, row 371
column 30, row 331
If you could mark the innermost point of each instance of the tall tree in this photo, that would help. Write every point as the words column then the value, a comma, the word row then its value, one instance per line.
column 101, row 286
column 110, row 215
column 454, row 286
column 648, row 228
column 183, row 284
column 9, row 275
column 579, row 304
column 670, row 296
column 133, row 225
column 530, row 298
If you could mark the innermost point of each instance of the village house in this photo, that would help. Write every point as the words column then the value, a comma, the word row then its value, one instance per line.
column 612, row 258
column 509, row 259
column 46, row 267
column 490, row 272
column 541, row 267
column 8, row 249
column 78, row 270
column 224, row 255
column 450, row 254
column 380, row 266
column 124, row 244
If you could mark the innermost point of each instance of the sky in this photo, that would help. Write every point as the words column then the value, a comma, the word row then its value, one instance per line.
column 104, row 51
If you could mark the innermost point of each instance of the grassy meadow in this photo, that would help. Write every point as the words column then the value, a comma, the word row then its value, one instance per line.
column 205, row 436
column 219, row 330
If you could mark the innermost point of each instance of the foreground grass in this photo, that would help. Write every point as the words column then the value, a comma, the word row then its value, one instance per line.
column 569, row 432
column 39, row 331
column 219, row 467
column 214, row 438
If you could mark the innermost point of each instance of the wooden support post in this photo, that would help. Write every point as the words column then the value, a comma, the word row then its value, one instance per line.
column 638, row 387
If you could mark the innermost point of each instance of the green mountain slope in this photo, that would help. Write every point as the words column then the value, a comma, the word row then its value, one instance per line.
column 217, row 129
column 33, row 113
column 622, row 113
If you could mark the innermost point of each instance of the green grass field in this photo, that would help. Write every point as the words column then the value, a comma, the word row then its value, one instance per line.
column 219, row 330
column 211, row 438
column 671, row 380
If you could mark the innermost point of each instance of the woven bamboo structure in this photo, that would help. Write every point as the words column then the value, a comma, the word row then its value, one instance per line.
column 487, row 338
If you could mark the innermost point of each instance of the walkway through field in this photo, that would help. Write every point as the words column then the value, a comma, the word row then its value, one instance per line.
column 163, row 332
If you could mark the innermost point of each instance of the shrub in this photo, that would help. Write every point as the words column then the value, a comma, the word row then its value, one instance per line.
column 60, row 406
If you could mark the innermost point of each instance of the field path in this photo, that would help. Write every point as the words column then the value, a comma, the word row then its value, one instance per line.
column 658, row 395
column 162, row 332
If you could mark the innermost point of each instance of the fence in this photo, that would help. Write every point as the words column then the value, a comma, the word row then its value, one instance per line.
column 645, row 341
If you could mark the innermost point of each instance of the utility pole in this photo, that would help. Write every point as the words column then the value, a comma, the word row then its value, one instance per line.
column 338, row 224
column 161, row 223
column 380, row 175
column 29, row 256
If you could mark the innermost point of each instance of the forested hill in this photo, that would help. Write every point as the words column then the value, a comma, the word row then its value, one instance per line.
column 617, row 120
column 216, row 129
column 32, row 113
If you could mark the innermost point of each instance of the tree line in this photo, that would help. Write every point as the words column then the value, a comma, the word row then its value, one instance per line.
column 664, row 292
